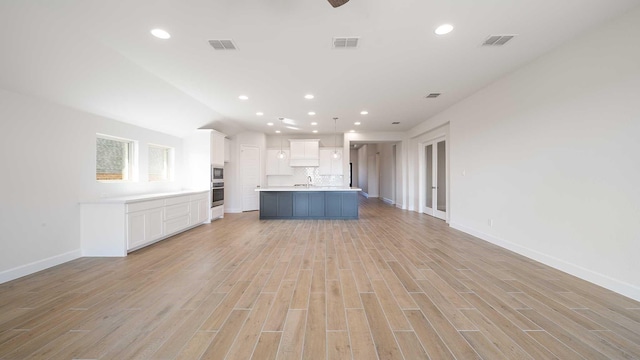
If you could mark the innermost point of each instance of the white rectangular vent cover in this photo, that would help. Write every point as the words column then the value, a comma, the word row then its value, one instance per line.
column 345, row 42
column 497, row 40
column 223, row 44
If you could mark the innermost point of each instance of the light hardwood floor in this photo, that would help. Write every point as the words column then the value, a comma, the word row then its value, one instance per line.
column 392, row 285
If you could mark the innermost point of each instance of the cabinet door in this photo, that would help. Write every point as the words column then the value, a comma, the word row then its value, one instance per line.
column 153, row 224
column 227, row 150
column 316, row 204
column 336, row 164
column 301, row 204
column 198, row 213
column 135, row 229
column 268, row 204
column 217, row 149
column 350, row 204
column 203, row 211
column 285, row 204
column 333, row 204
column 144, row 226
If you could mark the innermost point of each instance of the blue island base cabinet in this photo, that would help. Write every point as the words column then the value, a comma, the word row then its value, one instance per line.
column 308, row 205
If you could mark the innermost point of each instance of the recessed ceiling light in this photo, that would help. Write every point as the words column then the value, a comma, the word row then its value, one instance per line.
column 357, row 123
column 352, row 131
column 444, row 29
column 309, row 96
column 314, row 123
column 270, row 124
column 314, row 131
column 364, row 112
column 259, row 113
column 160, row 34
column 311, row 113
column 277, row 131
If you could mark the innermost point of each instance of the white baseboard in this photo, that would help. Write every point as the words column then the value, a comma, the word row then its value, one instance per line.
column 388, row 201
column 28, row 269
column 605, row 281
column 232, row 211
column 364, row 194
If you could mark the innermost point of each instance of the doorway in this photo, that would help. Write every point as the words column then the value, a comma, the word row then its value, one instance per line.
column 433, row 182
column 250, row 177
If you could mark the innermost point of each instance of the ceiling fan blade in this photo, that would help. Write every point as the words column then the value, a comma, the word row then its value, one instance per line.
column 336, row 3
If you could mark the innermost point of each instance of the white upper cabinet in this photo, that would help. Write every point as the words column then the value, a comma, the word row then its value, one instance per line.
column 227, row 150
column 304, row 152
column 277, row 166
column 217, row 148
column 329, row 165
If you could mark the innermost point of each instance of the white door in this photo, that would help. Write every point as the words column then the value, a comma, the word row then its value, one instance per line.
column 433, row 194
column 250, row 177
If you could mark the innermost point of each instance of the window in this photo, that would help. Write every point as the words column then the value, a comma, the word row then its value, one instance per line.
column 114, row 158
column 160, row 163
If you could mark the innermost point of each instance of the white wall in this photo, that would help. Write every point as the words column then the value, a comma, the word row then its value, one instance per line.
column 47, row 153
column 363, row 176
column 550, row 153
column 387, row 176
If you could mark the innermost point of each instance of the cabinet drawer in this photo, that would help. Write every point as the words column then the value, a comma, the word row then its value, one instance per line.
column 196, row 197
column 174, row 211
column 176, row 200
column 177, row 224
column 144, row 205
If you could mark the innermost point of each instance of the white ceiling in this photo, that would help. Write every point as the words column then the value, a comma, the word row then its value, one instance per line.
column 98, row 56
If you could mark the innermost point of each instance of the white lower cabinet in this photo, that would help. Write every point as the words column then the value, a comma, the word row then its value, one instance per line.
column 144, row 227
column 114, row 227
column 199, row 209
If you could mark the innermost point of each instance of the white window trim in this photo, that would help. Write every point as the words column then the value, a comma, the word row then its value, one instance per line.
column 132, row 159
column 170, row 162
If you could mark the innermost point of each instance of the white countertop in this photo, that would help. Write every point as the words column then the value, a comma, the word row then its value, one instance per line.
column 310, row 188
column 142, row 197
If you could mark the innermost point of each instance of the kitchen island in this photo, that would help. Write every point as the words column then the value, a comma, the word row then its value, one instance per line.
column 313, row 202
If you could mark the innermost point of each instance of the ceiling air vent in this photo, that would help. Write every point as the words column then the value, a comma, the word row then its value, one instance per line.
column 395, row 123
column 223, row 44
column 432, row 95
column 497, row 40
column 345, row 42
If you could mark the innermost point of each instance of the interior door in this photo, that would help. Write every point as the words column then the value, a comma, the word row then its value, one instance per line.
column 434, row 194
column 250, row 177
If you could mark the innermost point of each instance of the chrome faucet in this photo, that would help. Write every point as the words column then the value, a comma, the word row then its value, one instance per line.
column 309, row 181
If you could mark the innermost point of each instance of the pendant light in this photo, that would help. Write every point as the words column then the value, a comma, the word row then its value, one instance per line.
column 281, row 154
column 335, row 154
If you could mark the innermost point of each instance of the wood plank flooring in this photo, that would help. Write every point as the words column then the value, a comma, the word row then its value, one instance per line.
column 392, row 285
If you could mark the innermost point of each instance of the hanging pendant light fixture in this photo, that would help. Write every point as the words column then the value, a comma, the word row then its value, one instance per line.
column 335, row 154
column 281, row 154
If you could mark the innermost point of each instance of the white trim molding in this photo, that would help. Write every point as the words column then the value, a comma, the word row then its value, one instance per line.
column 388, row 201
column 34, row 267
column 605, row 281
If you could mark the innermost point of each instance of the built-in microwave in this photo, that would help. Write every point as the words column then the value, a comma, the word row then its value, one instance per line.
column 217, row 174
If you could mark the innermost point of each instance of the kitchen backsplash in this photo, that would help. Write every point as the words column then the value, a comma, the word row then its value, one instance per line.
column 300, row 175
